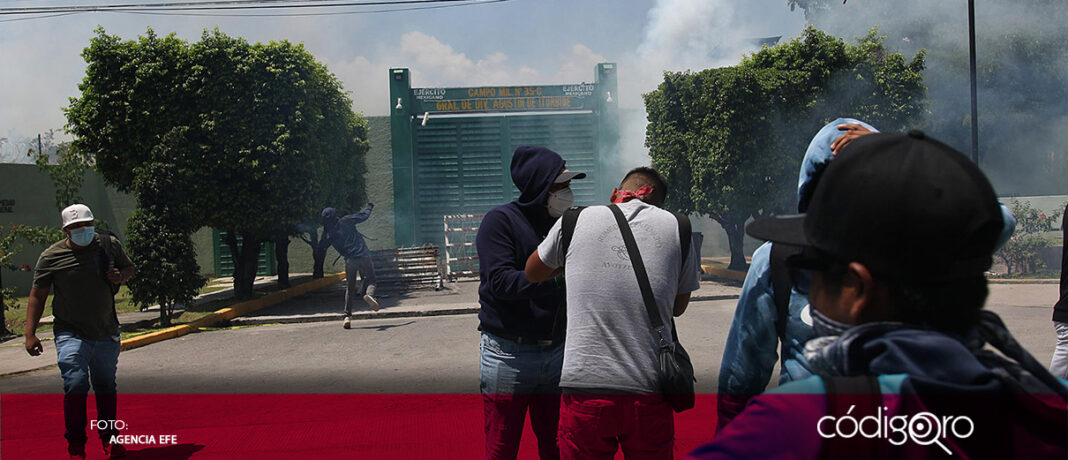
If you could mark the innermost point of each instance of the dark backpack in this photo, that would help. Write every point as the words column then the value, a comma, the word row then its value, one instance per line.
column 781, row 286
column 106, row 259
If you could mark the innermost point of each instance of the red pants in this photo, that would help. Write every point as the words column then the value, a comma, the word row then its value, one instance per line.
column 504, row 416
column 595, row 426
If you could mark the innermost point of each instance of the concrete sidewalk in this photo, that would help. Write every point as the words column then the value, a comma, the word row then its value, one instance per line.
column 325, row 304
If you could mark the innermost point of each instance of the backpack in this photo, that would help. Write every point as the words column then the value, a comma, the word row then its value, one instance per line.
column 105, row 260
column 570, row 218
column 781, row 286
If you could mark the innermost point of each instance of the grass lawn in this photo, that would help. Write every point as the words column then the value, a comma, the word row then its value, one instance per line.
column 202, row 309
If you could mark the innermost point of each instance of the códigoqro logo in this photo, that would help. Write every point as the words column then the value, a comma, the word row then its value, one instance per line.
column 923, row 428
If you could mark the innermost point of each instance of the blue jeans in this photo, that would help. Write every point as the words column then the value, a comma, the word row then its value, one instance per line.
column 514, row 378
column 81, row 362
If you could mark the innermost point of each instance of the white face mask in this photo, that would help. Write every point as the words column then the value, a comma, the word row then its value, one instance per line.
column 559, row 201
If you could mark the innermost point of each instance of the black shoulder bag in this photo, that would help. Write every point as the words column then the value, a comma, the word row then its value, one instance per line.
column 676, row 370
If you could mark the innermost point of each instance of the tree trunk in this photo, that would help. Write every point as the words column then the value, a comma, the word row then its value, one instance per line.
column 165, row 315
column 735, row 237
column 245, row 265
column 318, row 256
column 281, row 257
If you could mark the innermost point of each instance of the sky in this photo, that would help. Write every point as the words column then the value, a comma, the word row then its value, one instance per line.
column 503, row 43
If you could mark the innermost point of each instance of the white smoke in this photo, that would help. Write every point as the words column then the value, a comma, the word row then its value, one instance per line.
column 692, row 35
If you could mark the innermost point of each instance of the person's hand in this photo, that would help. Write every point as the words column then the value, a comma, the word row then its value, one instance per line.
column 33, row 345
column 852, row 132
column 370, row 204
column 115, row 276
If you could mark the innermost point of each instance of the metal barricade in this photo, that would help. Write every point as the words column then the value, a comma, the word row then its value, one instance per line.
column 461, row 257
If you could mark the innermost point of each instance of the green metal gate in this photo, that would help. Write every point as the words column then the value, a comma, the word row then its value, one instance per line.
column 266, row 265
column 462, row 163
column 452, row 147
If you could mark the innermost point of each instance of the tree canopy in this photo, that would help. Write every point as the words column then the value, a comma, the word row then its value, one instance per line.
column 730, row 140
column 254, row 138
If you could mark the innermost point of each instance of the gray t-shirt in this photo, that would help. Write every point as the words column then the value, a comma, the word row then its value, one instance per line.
column 609, row 344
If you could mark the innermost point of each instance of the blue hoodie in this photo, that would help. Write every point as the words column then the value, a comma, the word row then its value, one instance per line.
column 508, row 235
column 750, row 353
column 1016, row 407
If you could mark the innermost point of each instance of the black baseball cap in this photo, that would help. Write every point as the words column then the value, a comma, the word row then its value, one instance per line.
column 904, row 205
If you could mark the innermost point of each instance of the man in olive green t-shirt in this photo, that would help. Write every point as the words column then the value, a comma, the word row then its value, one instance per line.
column 81, row 271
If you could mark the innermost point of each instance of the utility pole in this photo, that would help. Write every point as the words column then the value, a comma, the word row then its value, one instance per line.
column 971, row 58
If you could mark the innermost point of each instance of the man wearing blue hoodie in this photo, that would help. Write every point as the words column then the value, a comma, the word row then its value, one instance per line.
column 755, row 334
column 895, row 244
column 750, row 354
column 522, row 323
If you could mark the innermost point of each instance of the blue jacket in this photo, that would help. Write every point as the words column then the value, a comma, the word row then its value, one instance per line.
column 508, row 235
column 751, row 350
column 345, row 238
column 1016, row 406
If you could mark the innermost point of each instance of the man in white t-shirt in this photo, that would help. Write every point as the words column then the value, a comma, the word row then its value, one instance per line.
column 609, row 378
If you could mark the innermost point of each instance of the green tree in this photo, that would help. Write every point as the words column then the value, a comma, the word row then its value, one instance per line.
column 250, row 130
column 67, row 171
column 10, row 245
column 730, row 140
column 1022, row 253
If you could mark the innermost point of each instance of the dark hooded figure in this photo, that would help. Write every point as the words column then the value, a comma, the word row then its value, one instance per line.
column 349, row 243
column 521, row 322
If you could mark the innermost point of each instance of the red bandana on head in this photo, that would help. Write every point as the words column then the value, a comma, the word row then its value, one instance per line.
column 623, row 196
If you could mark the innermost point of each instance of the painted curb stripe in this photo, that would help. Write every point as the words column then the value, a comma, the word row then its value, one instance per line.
column 229, row 313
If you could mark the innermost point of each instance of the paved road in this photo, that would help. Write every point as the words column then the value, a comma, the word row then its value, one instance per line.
column 419, row 355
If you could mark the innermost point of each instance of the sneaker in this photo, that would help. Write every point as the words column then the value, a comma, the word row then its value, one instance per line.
column 347, row 323
column 114, row 450
column 76, row 451
column 371, row 302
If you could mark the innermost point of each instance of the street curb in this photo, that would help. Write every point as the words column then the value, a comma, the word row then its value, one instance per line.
column 740, row 276
column 723, row 273
column 253, row 321
column 705, row 298
column 229, row 312
column 27, row 371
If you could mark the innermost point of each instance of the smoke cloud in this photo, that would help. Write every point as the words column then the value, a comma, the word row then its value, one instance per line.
column 1022, row 61
column 682, row 35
